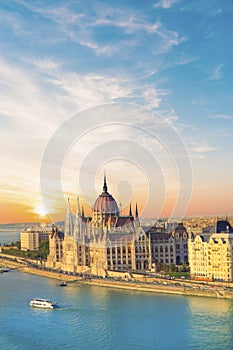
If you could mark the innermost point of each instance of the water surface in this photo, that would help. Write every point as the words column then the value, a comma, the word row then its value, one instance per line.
column 104, row 318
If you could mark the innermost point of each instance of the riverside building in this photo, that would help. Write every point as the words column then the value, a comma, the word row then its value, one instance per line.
column 33, row 236
column 169, row 248
column 109, row 241
column 211, row 253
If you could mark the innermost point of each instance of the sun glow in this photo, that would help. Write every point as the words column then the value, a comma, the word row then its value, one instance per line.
column 41, row 211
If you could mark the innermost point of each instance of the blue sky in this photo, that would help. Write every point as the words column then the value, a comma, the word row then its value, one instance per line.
column 58, row 58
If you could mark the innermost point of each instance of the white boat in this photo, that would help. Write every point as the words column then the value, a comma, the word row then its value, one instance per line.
column 43, row 303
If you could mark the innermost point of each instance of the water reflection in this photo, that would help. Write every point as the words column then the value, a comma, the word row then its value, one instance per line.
column 210, row 323
column 210, row 305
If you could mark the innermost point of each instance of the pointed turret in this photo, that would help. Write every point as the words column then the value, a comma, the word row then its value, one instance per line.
column 83, row 212
column 68, row 221
column 216, row 224
column 136, row 216
column 130, row 210
column 105, row 188
column 78, row 208
column 77, row 226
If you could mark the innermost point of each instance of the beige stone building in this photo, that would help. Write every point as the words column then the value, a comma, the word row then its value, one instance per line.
column 109, row 241
column 33, row 236
column 211, row 254
column 105, row 241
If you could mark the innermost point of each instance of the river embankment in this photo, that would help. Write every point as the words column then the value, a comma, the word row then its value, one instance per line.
column 157, row 285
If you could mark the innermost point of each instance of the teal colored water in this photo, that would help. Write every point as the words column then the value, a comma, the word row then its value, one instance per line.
column 102, row 318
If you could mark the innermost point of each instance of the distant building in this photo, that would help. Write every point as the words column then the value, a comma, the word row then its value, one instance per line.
column 33, row 236
column 211, row 253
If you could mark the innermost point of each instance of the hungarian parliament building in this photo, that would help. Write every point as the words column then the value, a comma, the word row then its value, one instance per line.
column 108, row 241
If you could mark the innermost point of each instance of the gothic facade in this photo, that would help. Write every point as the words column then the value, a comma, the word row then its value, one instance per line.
column 110, row 241
column 105, row 241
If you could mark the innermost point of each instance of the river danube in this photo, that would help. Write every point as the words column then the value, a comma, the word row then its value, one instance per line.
column 104, row 318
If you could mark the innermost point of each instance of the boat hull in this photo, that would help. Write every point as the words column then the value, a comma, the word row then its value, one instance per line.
column 43, row 304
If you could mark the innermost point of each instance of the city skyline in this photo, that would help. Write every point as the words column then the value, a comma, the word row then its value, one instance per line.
column 164, row 61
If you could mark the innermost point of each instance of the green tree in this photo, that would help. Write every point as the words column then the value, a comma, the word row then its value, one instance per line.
column 184, row 267
column 172, row 267
column 18, row 244
column 43, row 251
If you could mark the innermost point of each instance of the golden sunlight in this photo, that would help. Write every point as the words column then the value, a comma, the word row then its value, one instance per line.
column 40, row 210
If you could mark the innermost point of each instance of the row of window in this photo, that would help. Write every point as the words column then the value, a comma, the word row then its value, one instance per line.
column 118, row 262
column 118, row 250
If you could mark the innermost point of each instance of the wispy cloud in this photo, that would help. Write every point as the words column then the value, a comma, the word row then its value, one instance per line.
column 221, row 116
column 217, row 72
column 129, row 25
column 153, row 97
column 203, row 148
column 165, row 4
column 46, row 63
column 84, row 27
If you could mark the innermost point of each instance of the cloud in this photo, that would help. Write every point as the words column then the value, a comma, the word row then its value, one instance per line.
column 34, row 102
column 221, row 116
column 153, row 97
column 86, row 27
column 165, row 4
column 217, row 73
column 88, row 90
column 46, row 63
column 130, row 25
column 203, row 148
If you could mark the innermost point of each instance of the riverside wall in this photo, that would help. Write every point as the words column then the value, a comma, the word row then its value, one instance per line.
column 184, row 288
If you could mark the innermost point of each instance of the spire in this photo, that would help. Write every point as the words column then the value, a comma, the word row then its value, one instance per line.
column 78, row 207
column 216, row 223
column 68, row 221
column 137, row 222
column 105, row 188
column 83, row 212
column 130, row 210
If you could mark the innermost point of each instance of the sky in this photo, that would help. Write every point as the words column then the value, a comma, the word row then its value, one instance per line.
column 141, row 90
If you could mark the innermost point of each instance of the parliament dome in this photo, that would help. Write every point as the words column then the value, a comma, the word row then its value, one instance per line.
column 105, row 203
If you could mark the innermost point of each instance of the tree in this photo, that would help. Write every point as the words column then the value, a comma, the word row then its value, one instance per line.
column 172, row 267
column 184, row 267
column 18, row 244
column 44, row 249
